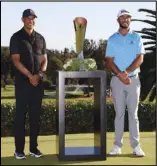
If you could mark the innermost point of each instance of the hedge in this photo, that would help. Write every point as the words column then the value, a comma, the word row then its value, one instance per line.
column 79, row 118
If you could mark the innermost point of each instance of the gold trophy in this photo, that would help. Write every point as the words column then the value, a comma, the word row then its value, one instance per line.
column 80, row 24
column 79, row 63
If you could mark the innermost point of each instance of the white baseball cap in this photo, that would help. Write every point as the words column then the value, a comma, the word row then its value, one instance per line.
column 123, row 12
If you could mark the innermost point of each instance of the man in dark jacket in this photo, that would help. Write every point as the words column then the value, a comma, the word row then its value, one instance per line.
column 28, row 52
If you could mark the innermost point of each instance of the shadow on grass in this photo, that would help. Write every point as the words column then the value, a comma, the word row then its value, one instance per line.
column 48, row 160
column 53, row 96
column 124, row 155
column 45, row 160
column 7, row 97
column 7, row 89
column 67, row 96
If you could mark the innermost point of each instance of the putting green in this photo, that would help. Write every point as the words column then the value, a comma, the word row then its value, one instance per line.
column 47, row 144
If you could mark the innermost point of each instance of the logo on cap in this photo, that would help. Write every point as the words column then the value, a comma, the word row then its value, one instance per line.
column 124, row 11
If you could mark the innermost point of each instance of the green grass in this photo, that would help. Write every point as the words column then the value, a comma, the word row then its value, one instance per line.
column 8, row 95
column 47, row 145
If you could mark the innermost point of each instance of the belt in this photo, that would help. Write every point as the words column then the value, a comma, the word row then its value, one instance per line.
column 129, row 76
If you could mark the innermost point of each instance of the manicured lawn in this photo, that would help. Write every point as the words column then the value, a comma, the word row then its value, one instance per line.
column 8, row 96
column 47, row 145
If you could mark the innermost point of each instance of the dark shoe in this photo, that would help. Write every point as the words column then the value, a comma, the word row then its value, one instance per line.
column 20, row 155
column 36, row 153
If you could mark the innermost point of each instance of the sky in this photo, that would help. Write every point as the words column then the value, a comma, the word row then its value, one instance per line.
column 55, row 20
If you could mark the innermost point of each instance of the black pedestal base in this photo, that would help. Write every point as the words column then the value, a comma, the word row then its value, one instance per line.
column 82, row 153
column 98, row 152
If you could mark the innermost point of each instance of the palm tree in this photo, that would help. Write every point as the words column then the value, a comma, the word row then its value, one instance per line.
column 148, row 68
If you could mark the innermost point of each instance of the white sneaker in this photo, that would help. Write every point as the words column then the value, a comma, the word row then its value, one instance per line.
column 116, row 150
column 138, row 151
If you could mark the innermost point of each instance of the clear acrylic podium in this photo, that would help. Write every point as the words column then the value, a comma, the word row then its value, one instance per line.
column 98, row 151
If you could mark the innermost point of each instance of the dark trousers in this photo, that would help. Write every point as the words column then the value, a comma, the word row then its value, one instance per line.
column 28, row 98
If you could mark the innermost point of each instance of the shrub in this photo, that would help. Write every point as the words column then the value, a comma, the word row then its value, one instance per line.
column 78, row 118
column 47, row 84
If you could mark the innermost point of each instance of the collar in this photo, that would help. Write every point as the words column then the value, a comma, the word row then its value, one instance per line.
column 25, row 33
column 129, row 32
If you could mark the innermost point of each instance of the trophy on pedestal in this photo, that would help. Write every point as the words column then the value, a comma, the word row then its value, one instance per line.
column 77, row 68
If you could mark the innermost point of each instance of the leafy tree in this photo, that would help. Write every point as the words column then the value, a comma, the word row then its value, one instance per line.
column 89, row 47
column 54, row 63
column 5, row 65
column 148, row 68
